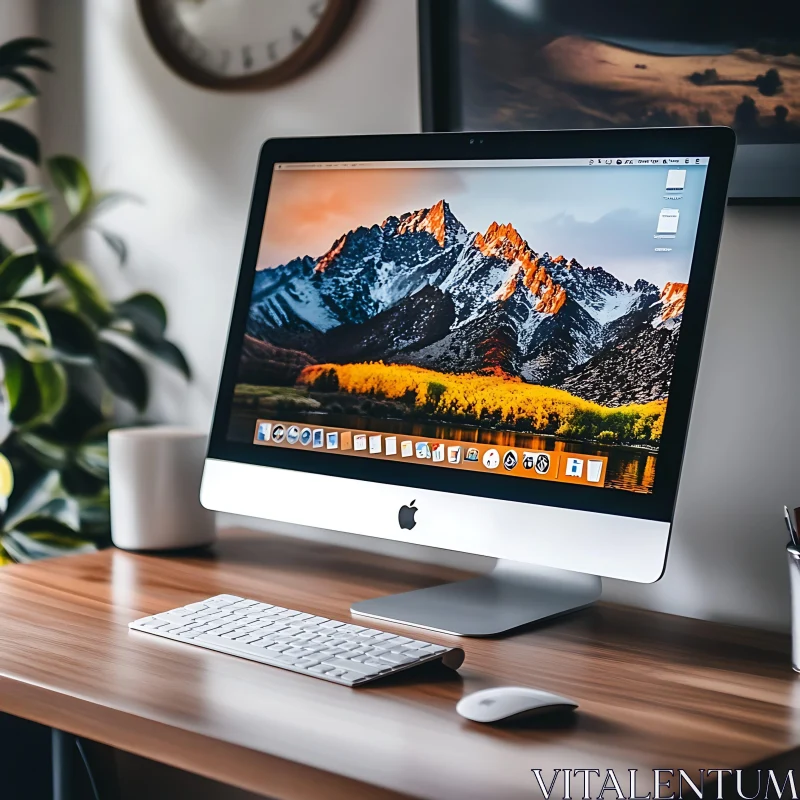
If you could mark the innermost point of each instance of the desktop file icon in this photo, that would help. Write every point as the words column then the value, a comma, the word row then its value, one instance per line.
column 574, row 468
column 423, row 450
column 676, row 180
column 668, row 220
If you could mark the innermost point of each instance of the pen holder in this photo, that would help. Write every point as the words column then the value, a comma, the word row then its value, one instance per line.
column 794, row 582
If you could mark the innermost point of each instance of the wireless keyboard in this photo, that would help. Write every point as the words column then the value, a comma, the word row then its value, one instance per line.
column 282, row 637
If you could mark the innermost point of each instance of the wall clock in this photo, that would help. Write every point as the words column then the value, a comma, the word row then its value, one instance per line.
column 243, row 44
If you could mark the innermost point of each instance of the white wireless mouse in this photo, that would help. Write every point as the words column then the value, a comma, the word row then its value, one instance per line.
column 511, row 702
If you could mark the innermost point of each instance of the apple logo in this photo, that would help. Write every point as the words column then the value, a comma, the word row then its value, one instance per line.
column 406, row 516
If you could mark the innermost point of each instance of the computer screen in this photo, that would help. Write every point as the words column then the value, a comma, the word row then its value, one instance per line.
column 517, row 317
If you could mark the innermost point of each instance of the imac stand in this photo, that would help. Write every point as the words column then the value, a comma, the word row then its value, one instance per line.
column 512, row 594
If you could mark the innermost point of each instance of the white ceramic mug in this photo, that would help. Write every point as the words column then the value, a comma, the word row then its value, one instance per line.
column 154, row 474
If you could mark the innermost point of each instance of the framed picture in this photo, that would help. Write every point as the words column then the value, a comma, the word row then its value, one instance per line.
column 544, row 64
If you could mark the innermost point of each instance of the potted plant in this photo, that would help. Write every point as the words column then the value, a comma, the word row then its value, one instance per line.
column 68, row 354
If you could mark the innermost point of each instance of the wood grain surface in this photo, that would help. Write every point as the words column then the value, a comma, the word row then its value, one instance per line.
column 654, row 690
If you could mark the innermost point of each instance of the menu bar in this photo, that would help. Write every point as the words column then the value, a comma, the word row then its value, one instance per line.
column 604, row 161
column 549, row 465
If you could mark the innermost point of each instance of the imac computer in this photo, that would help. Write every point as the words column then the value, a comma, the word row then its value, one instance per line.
column 483, row 342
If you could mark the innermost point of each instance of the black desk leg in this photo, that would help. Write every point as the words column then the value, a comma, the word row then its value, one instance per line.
column 63, row 754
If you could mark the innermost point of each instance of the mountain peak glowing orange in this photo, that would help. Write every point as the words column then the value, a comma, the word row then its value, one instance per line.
column 504, row 241
column 430, row 219
column 673, row 296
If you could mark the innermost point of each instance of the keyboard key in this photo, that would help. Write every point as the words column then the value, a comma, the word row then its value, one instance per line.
column 222, row 600
column 151, row 622
column 243, row 604
column 352, row 628
column 170, row 616
column 351, row 676
column 306, row 662
column 348, row 666
column 396, row 658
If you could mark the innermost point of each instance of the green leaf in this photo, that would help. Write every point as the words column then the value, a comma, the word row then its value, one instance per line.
column 33, row 62
column 170, row 354
column 25, row 319
column 48, row 453
column 15, row 270
column 15, row 103
column 22, row 80
column 147, row 314
column 37, row 390
column 22, row 197
column 116, row 243
column 71, row 178
column 49, row 264
column 70, row 333
column 86, row 291
column 45, row 498
column 42, row 214
column 11, row 172
column 15, row 48
column 93, row 458
column 123, row 374
column 101, row 202
column 39, row 543
column 13, row 366
column 80, row 420
column 96, row 516
column 80, row 483
column 19, row 140
column 51, row 380
column 32, row 227
column 45, row 523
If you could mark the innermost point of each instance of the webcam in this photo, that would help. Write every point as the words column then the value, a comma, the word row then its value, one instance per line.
column 473, row 140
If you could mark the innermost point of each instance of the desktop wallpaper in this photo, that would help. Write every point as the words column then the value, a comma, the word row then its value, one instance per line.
column 526, row 307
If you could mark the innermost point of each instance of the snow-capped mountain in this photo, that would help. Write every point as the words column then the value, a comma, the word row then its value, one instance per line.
column 421, row 289
column 637, row 366
column 365, row 272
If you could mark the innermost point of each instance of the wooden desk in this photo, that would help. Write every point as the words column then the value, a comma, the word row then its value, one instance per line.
column 655, row 690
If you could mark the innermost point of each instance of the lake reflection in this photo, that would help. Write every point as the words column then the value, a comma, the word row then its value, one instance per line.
column 628, row 467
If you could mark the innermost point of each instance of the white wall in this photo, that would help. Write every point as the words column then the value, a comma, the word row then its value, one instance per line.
column 190, row 155
column 727, row 560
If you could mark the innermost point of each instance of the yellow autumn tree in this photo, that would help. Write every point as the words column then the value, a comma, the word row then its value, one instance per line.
column 506, row 402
